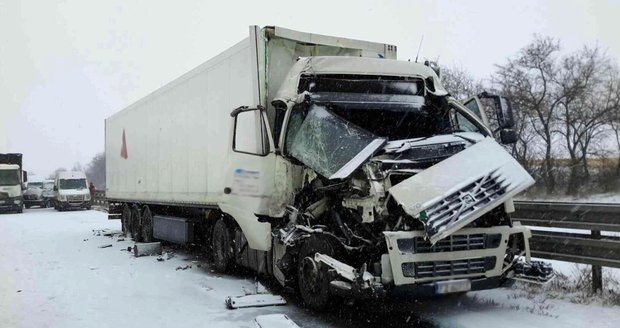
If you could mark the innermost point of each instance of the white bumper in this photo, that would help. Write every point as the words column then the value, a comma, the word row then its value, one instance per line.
column 468, row 253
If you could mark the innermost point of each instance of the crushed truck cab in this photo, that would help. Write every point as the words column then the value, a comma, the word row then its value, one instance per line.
column 328, row 164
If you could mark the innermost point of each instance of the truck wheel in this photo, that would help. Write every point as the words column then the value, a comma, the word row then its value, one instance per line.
column 223, row 250
column 126, row 220
column 135, row 224
column 147, row 225
column 27, row 206
column 313, row 277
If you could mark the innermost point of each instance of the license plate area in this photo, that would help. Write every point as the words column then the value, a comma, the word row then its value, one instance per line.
column 452, row 286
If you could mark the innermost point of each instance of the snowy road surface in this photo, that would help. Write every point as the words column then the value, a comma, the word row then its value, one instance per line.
column 53, row 274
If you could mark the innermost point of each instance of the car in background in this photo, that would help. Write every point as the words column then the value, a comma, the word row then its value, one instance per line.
column 33, row 195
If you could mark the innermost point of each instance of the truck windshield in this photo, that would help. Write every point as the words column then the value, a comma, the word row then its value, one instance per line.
column 72, row 184
column 333, row 147
column 9, row 177
column 48, row 185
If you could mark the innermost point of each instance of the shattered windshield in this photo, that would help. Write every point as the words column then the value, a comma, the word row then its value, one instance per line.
column 327, row 143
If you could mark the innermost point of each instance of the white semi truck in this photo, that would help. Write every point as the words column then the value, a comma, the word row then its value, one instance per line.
column 325, row 163
column 12, row 183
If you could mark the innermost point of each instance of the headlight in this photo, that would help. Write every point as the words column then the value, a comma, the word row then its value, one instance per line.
column 63, row 197
column 18, row 201
column 87, row 197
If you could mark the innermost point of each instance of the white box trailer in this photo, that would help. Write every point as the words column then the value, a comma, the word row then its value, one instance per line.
column 323, row 161
column 170, row 147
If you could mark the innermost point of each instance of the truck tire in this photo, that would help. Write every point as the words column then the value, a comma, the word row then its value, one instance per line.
column 313, row 278
column 135, row 224
column 223, row 248
column 147, row 225
column 126, row 220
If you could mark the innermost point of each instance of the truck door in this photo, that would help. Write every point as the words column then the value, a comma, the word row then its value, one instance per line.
column 249, row 181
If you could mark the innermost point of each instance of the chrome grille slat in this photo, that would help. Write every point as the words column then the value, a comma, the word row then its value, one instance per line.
column 448, row 268
column 464, row 201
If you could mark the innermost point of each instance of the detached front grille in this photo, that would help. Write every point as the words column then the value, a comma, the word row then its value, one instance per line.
column 451, row 243
column 436, row 269
column 465, row 201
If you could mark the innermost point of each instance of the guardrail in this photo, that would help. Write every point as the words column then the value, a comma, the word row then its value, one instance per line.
column 590, row 247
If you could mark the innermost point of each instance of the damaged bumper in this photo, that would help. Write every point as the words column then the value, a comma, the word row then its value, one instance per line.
column 471, row 259
column 467, row 254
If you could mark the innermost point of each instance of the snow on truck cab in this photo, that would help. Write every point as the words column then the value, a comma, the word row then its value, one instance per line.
column 71, row 191
column 341, row 171
column 12, row 183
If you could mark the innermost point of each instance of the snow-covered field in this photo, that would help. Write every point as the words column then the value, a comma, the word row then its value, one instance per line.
column 53, row 274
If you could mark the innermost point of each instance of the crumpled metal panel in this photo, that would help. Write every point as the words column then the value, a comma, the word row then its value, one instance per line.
column 460, row 189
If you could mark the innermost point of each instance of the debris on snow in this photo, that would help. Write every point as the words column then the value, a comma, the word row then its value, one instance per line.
column 147, row 249
column 274, row 321
column 105, row 246
column 236, row 302
column 260, row 296
column 183, row 267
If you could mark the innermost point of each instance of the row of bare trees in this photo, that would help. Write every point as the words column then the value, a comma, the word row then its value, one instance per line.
column 94, row 170
column 567, row 107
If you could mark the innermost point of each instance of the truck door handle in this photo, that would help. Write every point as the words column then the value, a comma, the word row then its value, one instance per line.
column 227, row 190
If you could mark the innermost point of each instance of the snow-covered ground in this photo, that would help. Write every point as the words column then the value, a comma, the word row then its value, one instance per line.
column 53, row 274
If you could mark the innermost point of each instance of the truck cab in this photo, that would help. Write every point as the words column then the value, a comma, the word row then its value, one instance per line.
column 72, row 191
column 10, row 188
column 12, row 183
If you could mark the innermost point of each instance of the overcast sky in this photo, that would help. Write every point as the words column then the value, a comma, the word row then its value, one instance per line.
column 67, row 65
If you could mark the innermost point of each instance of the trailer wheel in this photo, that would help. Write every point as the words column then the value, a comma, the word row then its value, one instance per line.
column 126, row 220
column 135, row 224
column 147, row 225
column 313, row 277
column 223, row 250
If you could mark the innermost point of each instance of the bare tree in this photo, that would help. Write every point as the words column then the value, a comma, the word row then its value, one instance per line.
column 460, row 83
column 528, row 80
column 587, row 81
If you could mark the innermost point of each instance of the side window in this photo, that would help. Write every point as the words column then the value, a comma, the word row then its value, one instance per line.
column 250, row 133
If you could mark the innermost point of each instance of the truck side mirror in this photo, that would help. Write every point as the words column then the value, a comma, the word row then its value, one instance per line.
column 503, row 110
column 508, row 136
column 24, row 176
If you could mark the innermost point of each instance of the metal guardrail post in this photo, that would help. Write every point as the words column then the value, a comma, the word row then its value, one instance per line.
column 597, row 270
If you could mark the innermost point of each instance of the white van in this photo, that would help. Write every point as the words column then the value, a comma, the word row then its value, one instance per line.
column 72, row 191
